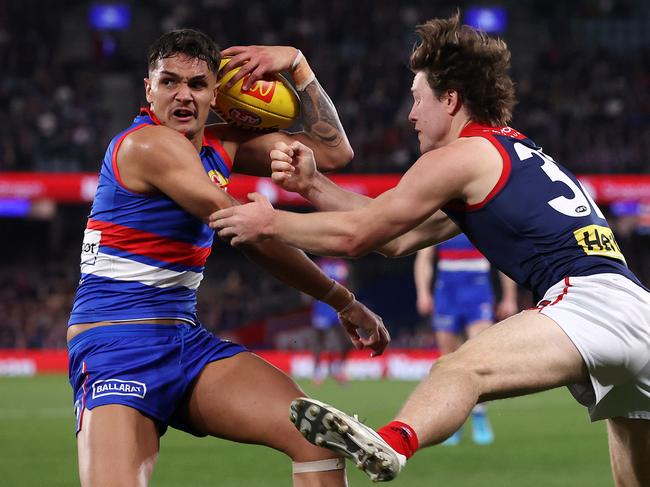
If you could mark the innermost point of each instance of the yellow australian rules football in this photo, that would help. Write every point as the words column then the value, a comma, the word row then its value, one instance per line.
column 270, row 104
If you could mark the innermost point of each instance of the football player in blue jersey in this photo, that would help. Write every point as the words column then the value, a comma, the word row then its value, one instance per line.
column 140, row 360
column 528, row 215
column 461, row 305
column 328, row 335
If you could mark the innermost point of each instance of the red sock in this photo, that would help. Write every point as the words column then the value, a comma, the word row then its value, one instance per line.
column 401, row 437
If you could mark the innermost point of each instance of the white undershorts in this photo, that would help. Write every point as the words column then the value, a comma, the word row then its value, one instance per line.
column 607, row 317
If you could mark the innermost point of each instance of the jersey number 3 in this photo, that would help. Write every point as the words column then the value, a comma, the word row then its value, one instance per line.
column 594, row 239
column 580, row 204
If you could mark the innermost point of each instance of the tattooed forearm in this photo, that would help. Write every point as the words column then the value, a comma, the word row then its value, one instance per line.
column 319, row 116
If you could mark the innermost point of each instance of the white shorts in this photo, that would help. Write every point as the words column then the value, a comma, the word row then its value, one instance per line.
column 607, row 317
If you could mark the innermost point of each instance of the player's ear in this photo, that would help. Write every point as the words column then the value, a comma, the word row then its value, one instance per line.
column 452, row 101
column 147, row 89
column 213, row 100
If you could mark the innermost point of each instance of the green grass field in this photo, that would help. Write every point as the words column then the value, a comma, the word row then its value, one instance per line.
column 542, row 440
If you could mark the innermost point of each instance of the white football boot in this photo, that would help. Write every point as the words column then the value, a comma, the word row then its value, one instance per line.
column 325, row 426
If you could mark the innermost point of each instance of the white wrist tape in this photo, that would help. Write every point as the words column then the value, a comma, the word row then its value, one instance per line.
column 301, row 72
column 319, row 465
column 330, row 292
column 297, row 59
column 306, row 82
column 348, row 306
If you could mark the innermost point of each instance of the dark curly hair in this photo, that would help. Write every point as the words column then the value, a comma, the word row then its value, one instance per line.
column 190, row 42
column 460, row 58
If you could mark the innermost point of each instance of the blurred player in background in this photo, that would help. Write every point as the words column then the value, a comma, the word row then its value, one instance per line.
column 140, row 360
column 462, row 306
column 328, row 335
column 528, row 215
column 626, row 219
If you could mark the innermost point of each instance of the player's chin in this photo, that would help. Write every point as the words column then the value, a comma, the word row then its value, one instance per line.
column 189, row 128
column 426, row 145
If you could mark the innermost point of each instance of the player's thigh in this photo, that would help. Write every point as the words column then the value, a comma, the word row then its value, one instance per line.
column 476, row 327
column 244, row 398
column 629, row 449
column 525, row 353
column 117, row 446
column 447, row 341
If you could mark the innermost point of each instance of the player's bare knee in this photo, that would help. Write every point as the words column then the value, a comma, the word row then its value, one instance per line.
column 458, row 362
column 464, row 366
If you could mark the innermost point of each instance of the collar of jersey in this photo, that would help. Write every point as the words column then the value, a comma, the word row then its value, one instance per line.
column 144, row 111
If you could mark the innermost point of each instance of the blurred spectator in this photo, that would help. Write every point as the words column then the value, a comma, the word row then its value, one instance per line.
column 35, row 302
column 64, row 84
column 625, row 220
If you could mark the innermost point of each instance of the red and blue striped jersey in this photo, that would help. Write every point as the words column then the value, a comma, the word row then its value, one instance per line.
column 538, row 224
column 458, row 254
column 143, row 256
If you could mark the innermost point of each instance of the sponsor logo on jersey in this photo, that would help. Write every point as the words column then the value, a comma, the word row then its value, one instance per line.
column 598, row 240
column 117, row 387
column 90, row 246
column 218, row 178
column 507, row 131
column 262, row 90
column 245, row 117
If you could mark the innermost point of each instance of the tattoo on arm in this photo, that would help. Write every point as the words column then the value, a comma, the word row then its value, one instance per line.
column 319, row 116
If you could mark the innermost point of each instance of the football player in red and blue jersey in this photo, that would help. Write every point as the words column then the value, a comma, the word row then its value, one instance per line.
column 140, row 360
column 528, row 215
column 461, row 305
column 328, row 335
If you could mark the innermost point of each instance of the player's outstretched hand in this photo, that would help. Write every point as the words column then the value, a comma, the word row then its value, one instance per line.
column 256, row 61
column 365, row 328
column 243, row 223
column 293, row 167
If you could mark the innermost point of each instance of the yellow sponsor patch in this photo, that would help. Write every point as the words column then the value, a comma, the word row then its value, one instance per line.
column 218, row 178
column 598, row 240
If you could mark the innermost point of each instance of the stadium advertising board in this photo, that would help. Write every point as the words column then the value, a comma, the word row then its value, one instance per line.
column 397, row 364
column 80, row 187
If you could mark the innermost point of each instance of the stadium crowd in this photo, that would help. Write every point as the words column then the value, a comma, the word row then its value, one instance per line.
column 36, row 297
column 66, row 86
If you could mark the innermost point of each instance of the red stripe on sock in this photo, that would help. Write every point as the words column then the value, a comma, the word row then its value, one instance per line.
column 401, row 437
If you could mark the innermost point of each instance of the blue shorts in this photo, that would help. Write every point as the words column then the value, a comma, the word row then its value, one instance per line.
column 147, row 367
column 462, row 299
column 324, row 316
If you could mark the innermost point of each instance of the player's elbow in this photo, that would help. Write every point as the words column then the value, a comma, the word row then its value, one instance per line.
column 336, row 158
column 391, row 251
column 344, row 155
column 355, row 235
column 399, row 247
column 356, row 246
column 402, row 246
